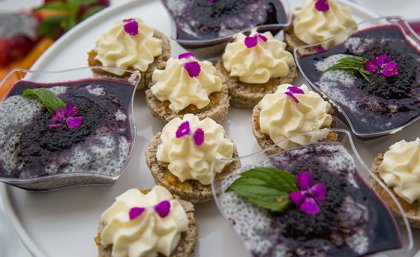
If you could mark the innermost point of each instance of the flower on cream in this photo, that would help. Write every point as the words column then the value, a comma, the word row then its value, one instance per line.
column 189, row 157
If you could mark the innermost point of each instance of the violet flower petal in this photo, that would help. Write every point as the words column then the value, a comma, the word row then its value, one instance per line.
column 303, row 179
column 131, row 26
column 199, row 136
column 262, row 37
column 251, row 42
column 292, row 96
column 136, row 212
column 320, row 50
column 389, row 69
column 193, row 69
column 318, row 192
column 381, row 60
column 183, row 129
column 74, row 122
column 71, row 110
column 163, row 208
column 185, row 55
column 371, row 66
column 322, row 5
column 296, row 90
column 297, row 197
column 56, row 125
column 310, row 207
column 54, row 118
column 59, row 113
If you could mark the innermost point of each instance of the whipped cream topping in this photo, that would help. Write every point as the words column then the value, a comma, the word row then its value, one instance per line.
column 148, row 234
column 189, row 161
column 257, row 64
column 313, row 26
column 400, row 169
column 117, row 48
column 174, row 84
column 281, row 116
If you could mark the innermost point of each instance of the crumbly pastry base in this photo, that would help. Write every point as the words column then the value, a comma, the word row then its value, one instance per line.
column 190, row 190
column 217, row 109
column 186, row 245
column 244, row 95
column 146, row 76
column 411, row 211
column 264, row 140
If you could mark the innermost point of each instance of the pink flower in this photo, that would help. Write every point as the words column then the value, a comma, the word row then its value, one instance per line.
column 66, row 116
column 383, row 64
column 251, row 42
column 193, row 68
column 322, row 5
column 162, row 209
column 131, row 26
column 184, row 130
column 292, row 91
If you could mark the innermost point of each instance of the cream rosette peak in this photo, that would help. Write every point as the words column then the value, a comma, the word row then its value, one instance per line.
column 294, row 110
column 312, row 24
column 257, row 58
column 400, row 169
column 135, row 226
column 134, row 48
column 186, row 81
column 189, row 146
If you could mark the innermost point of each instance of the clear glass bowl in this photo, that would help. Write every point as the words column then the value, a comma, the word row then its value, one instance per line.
column 211, row 48
column 79, row 178
column 361, row 172
column 306, row 56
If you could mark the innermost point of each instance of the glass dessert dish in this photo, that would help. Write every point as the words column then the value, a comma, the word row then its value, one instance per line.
column 372, row 78
column 329, row 209
column 204, row 27
column 83, row 134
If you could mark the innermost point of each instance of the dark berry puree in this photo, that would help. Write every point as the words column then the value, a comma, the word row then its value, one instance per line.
column 30, row 148
column 352, row 221
column 201, row 20
column 383, row 104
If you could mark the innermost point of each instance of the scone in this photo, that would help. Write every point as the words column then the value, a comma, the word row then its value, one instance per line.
column 131, row 44
column 180, row 157
column 253, row 66
column 399, row 170
column 147, row 223
column 187, row 85
column 290, row 111
column 316, row 21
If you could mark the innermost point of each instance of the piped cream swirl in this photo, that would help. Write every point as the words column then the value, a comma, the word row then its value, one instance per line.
column 117, row 48
column 400, row 169
column 258, row 64
column 281, row 117
column 188, row 161
column 313, row 26
column 148, row 234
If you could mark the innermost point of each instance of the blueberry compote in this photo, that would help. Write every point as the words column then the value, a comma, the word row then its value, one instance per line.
column 30, row 149
column 205, row 20
column 352, row 221
column 384, row 103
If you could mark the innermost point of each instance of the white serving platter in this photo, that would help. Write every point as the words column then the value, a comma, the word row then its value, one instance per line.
column 63, row 223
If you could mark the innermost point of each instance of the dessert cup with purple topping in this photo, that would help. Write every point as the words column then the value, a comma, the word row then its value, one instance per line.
column 87, row 142
column 345, row 216
column 378, row 94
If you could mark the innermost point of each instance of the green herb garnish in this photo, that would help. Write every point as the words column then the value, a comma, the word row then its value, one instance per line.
column 267, row 187
column 46, row 98
column 352, row 63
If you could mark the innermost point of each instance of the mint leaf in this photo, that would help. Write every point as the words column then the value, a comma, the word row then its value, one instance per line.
column 46, row 98
column 352, row 63
column 266, row 187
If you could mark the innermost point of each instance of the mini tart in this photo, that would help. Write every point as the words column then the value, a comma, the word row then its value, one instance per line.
column 244, row 95
column 217, row 109
column 186, row 245
column 411, row 211
column 190, row 190
column 159, row 62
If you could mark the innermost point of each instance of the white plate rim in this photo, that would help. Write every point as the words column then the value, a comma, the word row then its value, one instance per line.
column 34, row 250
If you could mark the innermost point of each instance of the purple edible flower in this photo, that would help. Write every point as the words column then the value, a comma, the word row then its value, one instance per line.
column 67, row 116
column 193, row 69
column 383, row 64
column 308, row 196
column 389, row 69
column 322, row 5
column 185, row 55
column 199, row 136
column 183, row 129
column 163, row 208
column 371, row 66
column 292, row 91
column 251, row 42
column 136, row 212
column 320, row 50
column 131, row 26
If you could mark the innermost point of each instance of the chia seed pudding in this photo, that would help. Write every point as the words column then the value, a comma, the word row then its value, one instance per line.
column 383, row 104
column 352, row 221
column 201, row 20
column 101, row 145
